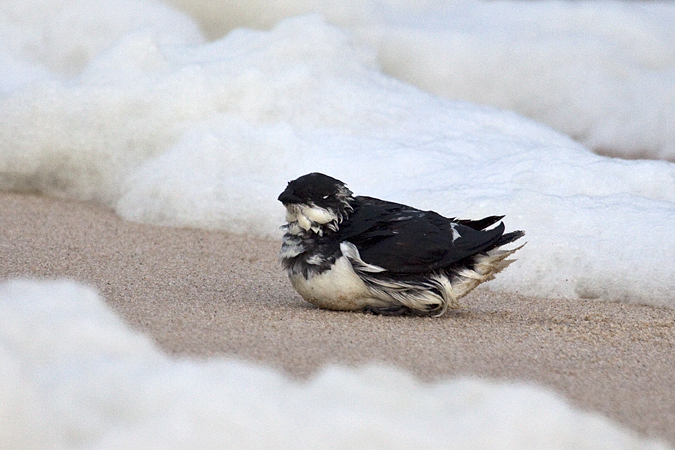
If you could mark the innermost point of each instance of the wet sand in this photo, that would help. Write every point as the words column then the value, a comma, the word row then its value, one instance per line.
column 211, row 294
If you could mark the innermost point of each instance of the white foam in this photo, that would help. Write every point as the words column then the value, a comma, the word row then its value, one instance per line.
column 600, row 71
column 72, row 375
column 64, row 37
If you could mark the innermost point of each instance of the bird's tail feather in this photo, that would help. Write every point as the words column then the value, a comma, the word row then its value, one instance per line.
column 507, row 238
column 485, row 267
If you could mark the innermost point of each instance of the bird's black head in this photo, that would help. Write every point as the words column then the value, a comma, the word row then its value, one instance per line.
column 315, row 200
column 314, row 188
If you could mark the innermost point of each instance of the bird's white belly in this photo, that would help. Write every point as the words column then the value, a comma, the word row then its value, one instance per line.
column 339, row 288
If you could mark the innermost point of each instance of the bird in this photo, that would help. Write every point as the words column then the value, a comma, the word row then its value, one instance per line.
column 356, row 253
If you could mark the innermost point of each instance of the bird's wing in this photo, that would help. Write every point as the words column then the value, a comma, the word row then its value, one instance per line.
column 402, row 239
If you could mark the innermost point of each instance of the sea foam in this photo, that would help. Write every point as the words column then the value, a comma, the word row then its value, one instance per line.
column 600, row 71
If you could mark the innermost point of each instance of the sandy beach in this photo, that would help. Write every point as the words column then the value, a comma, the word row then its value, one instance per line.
column 208, row 294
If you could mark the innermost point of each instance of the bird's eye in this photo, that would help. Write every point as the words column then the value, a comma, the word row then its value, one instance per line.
column 325, row 197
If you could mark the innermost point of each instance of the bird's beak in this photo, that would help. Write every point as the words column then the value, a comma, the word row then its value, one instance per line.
column 288, row 197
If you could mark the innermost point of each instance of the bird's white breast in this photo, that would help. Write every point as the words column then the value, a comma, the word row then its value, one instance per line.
column 338, row 288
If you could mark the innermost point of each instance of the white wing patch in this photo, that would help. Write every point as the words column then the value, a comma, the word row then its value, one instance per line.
column 352, row 253
column 455, row 233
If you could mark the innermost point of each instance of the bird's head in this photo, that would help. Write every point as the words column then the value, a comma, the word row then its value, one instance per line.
column 315, row 202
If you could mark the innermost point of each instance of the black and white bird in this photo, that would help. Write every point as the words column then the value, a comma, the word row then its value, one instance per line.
column 351, row 253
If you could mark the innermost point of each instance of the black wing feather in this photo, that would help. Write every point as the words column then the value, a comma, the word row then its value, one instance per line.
column 402, row 239
column 479, row 224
